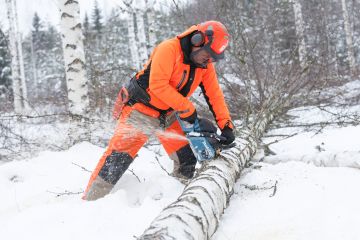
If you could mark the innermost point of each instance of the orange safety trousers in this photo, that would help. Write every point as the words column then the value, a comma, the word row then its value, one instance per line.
column 136, row 123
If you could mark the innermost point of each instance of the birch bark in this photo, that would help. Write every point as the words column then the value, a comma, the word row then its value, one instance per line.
column 348, row 37
column 17, row 64
column 141, row 35
column 132, row 40
column 74, row 57
column 75, row 72
column 299, row 27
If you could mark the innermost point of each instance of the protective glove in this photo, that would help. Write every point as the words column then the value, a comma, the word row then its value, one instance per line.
column 228, row 133
column 191, row 119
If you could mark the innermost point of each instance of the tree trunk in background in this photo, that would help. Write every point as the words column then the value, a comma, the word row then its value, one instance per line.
column 151, row 28
column 21, row 61
column 74, row 59
column 196, row 213
column 132, row 41
column 33, row 65
column 331, row 48
column 348, row 38
column 17, row 64
column 299, row 27
column 141, row 36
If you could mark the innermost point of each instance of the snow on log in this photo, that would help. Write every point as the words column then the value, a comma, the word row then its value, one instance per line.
column 196, row 213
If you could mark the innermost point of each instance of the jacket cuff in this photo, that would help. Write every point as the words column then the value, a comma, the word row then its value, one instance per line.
column 226, row 123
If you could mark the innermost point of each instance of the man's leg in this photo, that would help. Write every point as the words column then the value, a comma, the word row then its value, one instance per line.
column 123, row 147
column 178, row 149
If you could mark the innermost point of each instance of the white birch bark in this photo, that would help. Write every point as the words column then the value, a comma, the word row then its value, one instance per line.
column 33, row 63
column 348, row 37
column 17, row 67
column 299, row 28
column 141, row 35
column 332, row 53
column 132, row 40
column 151, row 27
column 74, row 57
column 196, row 213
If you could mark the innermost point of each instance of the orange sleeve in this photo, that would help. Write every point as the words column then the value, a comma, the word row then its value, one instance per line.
column 215, row 97
column 162, row 66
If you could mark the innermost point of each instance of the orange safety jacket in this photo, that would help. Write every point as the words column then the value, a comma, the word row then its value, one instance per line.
column 170, row 78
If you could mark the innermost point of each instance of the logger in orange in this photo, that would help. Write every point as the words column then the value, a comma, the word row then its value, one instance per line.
column 175, row 69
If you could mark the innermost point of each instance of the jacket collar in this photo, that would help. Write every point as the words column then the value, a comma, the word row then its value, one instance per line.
column 185, row 42
column 186, row 49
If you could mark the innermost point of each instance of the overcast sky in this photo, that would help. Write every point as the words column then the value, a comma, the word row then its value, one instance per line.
column 49, row 12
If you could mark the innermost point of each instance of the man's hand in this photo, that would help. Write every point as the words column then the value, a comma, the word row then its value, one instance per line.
column 228, row 133
column 190, row 119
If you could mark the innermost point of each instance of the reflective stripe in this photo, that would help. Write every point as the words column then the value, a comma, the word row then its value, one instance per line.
column 182, row 80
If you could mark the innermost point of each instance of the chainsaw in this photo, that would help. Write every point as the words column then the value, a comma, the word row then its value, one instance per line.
column 203, row 139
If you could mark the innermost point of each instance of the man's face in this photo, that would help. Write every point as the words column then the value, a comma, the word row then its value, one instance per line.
column 200, row 56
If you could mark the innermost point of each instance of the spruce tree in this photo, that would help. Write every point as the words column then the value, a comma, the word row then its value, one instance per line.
column 5, row 63
column 36, row 23
column 97, row 18
column 86, row 29
column 44, row 64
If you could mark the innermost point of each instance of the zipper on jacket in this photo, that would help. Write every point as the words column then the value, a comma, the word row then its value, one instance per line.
column 182, row 80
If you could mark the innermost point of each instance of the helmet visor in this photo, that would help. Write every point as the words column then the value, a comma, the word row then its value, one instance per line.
column 214, row 56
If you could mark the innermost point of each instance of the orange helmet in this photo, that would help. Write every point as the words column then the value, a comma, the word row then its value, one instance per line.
column 213, row 37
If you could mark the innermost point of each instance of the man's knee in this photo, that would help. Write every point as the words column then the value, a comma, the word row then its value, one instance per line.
column 114, row 167
column 184, row 162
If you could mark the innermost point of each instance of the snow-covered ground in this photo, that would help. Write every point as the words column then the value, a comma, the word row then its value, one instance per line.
column 308, row 190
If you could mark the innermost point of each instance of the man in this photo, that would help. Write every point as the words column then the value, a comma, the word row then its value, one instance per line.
column 175, row 69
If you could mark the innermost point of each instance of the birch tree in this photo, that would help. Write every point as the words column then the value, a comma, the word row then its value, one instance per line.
column 74, row 59
column 299, row 26
column 140, row 45
column 140, row 9
column 348, row 37
column 132, row 40
column 17, row 64
column 150, row 14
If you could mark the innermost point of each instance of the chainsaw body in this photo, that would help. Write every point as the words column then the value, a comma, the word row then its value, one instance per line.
column 203, row 139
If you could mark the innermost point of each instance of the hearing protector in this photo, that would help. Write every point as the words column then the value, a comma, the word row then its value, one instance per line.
column 198, row 39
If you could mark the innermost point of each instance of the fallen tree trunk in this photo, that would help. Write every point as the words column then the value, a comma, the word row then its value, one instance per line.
column 196, row 213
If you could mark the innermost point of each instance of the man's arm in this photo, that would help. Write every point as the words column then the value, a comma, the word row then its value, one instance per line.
column 215, row 98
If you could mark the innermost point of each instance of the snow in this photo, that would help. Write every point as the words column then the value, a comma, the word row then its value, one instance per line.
column 308, row 190
column 29, row 197
column 309, row 203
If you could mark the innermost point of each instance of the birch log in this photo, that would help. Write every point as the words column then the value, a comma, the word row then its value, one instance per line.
column 195, row 215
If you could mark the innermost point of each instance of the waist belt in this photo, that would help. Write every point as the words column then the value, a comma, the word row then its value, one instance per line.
column 137, row 94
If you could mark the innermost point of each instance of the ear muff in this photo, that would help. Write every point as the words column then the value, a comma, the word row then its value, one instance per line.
column 198, row 39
